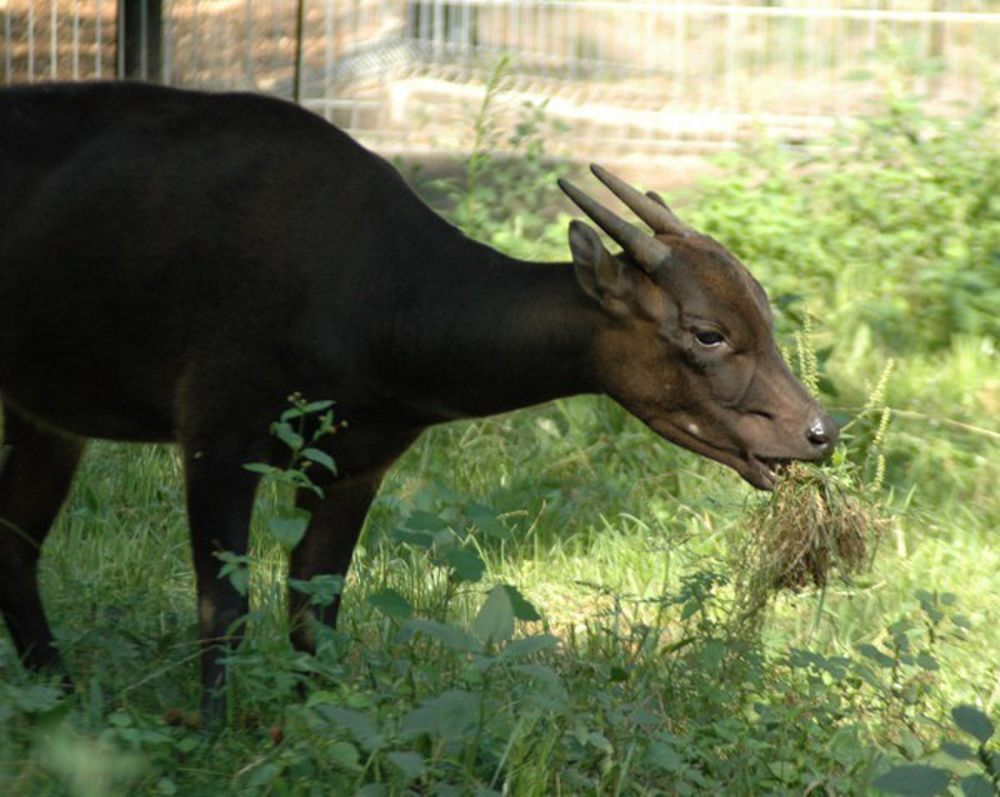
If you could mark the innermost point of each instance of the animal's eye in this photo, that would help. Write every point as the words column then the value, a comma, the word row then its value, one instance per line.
column 709, row 339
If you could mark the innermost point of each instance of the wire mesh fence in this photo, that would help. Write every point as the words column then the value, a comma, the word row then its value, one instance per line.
column 643, row 75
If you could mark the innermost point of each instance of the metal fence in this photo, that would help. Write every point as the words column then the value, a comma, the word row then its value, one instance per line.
column 645, row 75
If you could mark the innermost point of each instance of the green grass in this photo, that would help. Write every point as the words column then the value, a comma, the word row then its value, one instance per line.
column 636, row 679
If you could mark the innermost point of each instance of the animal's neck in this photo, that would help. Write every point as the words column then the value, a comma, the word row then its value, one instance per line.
column 489, row 334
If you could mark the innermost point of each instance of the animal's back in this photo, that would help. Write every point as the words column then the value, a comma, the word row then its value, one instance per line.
column 141, row 225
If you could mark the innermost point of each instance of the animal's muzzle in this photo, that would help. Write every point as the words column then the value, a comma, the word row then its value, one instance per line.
column 822, row 435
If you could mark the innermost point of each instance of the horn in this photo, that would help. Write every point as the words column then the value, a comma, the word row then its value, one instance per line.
column 649, row 207
column 646, row 251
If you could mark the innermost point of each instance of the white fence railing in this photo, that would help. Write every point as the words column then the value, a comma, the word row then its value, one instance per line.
column 643, row 74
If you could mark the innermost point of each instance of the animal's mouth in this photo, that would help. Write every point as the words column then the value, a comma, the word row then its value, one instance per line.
column 766, row 470
column 760, row 471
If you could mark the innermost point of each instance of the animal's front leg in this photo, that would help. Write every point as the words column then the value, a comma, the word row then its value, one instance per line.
column 220, row 494
column 326, row 549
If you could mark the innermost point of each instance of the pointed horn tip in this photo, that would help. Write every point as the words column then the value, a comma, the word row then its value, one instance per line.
column 566, row 186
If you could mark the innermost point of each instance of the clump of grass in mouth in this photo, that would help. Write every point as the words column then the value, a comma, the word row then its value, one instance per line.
column 816, row 522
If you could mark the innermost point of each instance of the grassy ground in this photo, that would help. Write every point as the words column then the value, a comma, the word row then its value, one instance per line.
column 639, row 677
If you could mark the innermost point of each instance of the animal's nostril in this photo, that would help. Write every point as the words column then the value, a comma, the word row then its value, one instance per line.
column 822, row 433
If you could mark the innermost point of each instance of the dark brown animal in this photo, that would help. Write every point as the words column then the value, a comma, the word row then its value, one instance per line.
column 174, row 264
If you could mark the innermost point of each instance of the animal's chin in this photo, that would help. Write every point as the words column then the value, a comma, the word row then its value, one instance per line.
column 761, row 472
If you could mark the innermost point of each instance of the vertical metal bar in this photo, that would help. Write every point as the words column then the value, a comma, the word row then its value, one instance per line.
column 680, row 51
column 53, row 40
column 167, row 45
column 98, row 42
column 328, row 34
column 143, row 40
column 31, row 41
column 7, row 65
column 249, row 66
column 297, row 74
column 121, row 39
column 76, row 40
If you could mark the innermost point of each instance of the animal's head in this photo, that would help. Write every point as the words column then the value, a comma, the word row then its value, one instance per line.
column 687, row 344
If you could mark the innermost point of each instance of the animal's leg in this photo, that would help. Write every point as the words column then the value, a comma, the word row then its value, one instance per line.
column 326, row 549
column 36, row 469
column 220, row 494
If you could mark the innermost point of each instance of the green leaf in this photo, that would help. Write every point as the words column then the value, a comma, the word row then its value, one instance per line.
column 391, row 603
column 974, row 722
column 528, row 646
column 420, row 520
column 316, row 406
column 420, row 539
column 261, row 467
column 927, row 661
column 320, row 458
column 486, row 521
column 410, row 765
column 453, row 638
column 960, row 752
column 913, row 780
column 523, row 608
column 289, row 530
column 322, row 589
column 976, row 786
column 662, row 755
column 344, row 755
column 465, row 564
column 495, row 621
column 447, row 716
column 361, row 726
column 876, row 655
column 39, row 699
column 263, row 775
column 287, row 435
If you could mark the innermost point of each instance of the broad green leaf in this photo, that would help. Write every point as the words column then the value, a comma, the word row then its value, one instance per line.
column 974, row 722
column 322, row 590
column 449, row 636
column 391, row 603
column 958, row 751
column 261, row 467
column 913, row 780
column 523, row 608
column 421, row 520
column 320, row 458
column 528, row 646
column 927, row 661
column 876, row 655
column 287, row 435
column 446, row 716
column 344, row 755
column 289, row 530
column 38, row 699
column 410, row 765
column 361, row 726
column 263, row 775
column 662, row 755
column 486, row 521
column 465, row 564
column 420, row 539
column 495, row 621
column 977, row 786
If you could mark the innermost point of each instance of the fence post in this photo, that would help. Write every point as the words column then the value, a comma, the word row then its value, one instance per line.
column 140, row 39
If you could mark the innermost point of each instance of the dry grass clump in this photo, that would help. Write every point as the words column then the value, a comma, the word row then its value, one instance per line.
column 814, row 523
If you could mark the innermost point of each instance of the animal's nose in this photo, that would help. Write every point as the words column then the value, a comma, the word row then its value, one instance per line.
column 822, row 433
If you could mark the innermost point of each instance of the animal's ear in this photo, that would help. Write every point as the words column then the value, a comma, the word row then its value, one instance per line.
column 601, row 275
